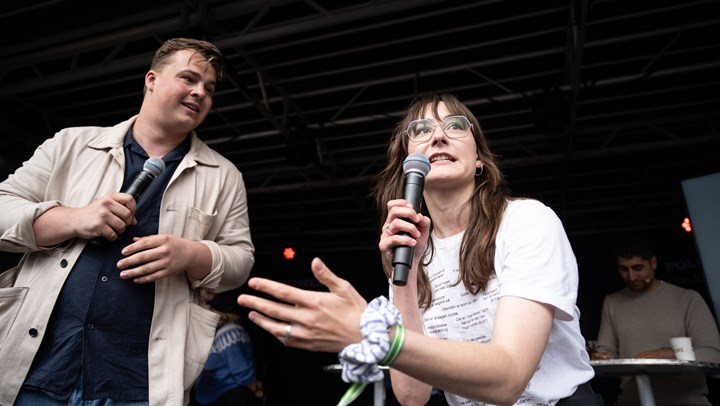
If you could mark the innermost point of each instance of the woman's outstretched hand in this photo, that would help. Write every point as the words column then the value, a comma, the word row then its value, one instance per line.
column 310, row 320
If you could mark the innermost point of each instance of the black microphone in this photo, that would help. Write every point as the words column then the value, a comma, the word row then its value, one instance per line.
column 416, row 166
column 152, row 168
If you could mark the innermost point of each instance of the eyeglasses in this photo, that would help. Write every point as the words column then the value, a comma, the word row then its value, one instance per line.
column 452, row 126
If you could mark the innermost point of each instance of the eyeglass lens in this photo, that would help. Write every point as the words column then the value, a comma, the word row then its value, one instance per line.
column 453, row 126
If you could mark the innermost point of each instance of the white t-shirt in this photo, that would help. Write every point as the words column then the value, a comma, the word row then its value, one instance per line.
column 533, row 260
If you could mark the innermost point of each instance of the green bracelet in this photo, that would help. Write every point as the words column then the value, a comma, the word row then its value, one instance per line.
column 395, row 346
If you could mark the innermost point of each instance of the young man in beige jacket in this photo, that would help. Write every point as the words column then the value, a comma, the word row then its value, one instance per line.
column 103, row 305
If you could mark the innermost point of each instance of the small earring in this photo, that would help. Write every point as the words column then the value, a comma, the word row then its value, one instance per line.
column 482, row 169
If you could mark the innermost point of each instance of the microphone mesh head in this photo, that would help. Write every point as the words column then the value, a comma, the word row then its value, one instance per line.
column 416, row 162
column 155, row 166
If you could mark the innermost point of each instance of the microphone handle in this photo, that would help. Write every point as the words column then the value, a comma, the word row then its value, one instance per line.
column 403, row 255
column 402, row 261
column 140, row 184
column 136, row 189
column 413, row 189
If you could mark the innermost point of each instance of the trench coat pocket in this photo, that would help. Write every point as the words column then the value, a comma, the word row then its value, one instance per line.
column 198, row 224
column 200, row 335
column 11, row 299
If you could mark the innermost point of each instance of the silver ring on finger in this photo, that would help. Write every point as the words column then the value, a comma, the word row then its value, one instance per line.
column 387, row 228
column 288, row 331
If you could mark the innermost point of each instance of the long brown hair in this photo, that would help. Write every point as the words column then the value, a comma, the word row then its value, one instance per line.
column 487, row 203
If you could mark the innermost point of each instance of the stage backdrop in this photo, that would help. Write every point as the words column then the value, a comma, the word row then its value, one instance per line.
column 702, row 196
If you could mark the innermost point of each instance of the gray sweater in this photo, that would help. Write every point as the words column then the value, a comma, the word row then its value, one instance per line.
column 633, row 322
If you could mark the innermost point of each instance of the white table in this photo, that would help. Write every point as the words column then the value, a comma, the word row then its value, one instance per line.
column 641, row 369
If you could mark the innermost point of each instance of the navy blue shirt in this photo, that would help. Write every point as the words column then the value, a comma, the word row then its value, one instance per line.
column 100, row 325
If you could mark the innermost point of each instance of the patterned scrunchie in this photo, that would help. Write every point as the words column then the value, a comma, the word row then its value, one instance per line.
column 360, row 361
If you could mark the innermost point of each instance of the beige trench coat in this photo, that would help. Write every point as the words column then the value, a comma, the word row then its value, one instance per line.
column 205, row 201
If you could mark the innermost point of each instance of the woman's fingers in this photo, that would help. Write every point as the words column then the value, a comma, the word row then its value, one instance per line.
column 334, row 283
column 270, row 308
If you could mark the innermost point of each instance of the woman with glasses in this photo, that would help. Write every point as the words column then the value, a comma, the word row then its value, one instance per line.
column 488, row 314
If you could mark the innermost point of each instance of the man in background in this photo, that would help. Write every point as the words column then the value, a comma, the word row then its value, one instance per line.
column 639, row 320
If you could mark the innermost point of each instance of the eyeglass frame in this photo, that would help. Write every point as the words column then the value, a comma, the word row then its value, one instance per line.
column 436, row 125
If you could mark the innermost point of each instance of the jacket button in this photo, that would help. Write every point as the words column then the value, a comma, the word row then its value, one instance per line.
column 63, row 263
column 33, row 332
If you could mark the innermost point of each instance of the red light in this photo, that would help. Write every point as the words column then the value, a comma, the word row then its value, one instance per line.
column 686, row 224
column 289, row 253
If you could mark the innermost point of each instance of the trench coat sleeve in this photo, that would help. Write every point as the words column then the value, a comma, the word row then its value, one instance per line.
column 23, row 199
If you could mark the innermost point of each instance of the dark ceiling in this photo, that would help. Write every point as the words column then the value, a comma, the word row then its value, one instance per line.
column 598, row 108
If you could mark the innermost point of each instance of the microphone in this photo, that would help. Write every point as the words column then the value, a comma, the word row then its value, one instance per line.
column 152, row 168
column 415, row 167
